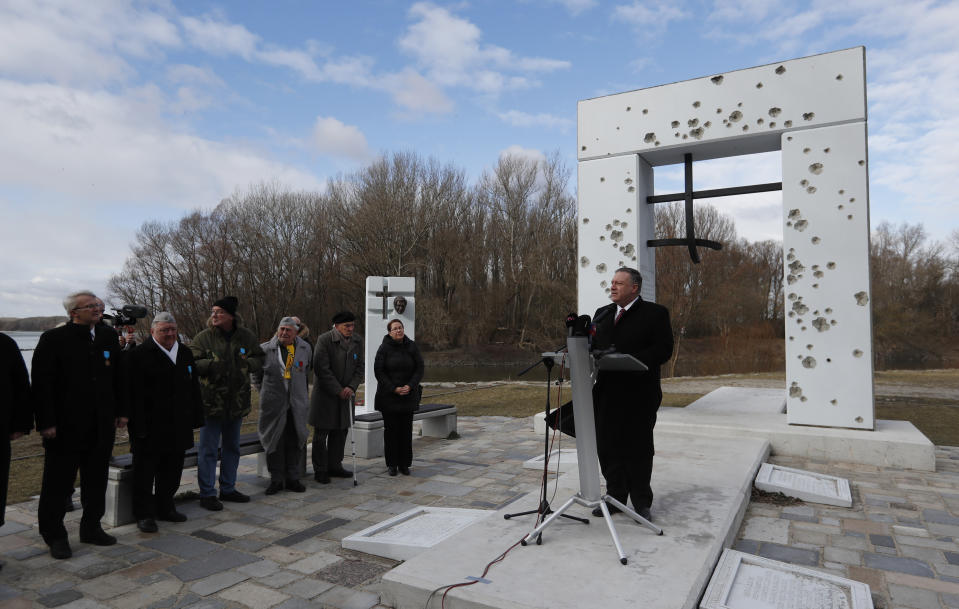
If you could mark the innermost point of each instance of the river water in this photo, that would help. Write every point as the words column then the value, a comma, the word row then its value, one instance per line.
column 27, row 341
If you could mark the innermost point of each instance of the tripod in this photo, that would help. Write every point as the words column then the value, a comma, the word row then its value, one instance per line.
column 544, row 507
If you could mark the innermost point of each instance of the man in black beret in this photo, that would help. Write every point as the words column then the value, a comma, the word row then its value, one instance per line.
column 338, row 366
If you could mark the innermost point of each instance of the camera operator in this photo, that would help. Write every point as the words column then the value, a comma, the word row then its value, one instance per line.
column 626, row 402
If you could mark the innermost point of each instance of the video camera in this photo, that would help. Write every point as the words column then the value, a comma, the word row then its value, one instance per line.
column 127, row 315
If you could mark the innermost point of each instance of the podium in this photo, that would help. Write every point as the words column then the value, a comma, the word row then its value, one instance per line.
column 583, row 368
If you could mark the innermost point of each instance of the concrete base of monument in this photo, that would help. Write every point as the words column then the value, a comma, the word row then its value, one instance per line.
column 702, row 487
column 747, row 412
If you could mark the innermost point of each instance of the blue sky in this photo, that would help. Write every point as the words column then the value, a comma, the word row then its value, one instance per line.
column 115, row 112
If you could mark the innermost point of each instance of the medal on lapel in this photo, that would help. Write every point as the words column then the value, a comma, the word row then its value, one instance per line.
column 106, row 358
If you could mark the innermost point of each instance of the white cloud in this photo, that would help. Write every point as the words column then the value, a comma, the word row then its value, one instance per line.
column 649, row 18
column 527, row 153
column 410, row 90
column 575, row 7
column 219, row 37
column 336, row 139
column 524, row 119
column 448, row 48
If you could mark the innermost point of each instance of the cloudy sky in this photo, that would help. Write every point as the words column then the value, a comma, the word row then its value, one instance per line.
column 114, row 112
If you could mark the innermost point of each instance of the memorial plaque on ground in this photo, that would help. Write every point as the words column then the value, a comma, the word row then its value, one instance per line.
column 805, row 485
column 744, row 581
column 406, row 535
column 564, row 459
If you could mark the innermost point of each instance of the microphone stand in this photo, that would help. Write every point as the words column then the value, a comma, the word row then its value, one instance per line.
column 544, row 507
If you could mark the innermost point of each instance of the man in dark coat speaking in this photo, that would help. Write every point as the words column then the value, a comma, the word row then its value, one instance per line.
column 78, row 403
column 165, row 408
column 626, row 402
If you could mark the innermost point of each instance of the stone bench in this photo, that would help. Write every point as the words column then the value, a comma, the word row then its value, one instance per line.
column 119, row 499
column 439, row 421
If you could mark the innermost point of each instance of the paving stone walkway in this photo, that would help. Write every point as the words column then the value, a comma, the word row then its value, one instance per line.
column 284, row 550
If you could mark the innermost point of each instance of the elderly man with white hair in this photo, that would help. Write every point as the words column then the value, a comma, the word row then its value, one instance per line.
column 166, row 406
column 284, row 405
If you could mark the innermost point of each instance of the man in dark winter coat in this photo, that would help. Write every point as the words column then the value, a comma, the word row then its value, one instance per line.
column 16, row 416
column 78, row 403
column 226, row 354
column 626, row 402
column 164, row 410
column 338, row 366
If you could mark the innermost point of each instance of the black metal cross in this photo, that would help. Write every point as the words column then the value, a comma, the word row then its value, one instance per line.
column 385, row 294
column 690, row 240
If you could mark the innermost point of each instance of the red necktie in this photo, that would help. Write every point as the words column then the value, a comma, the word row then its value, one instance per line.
column 618, row 315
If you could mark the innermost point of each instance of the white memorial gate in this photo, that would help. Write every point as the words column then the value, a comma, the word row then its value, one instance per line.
column 385, row 298
column 813, row 109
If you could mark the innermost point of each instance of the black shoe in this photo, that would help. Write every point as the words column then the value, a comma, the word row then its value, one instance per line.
column 60, row 549
column 598, row 511
column 147, row 525
column 644, row 512
column 211, row 503
column 172, row 516
column 98, row 537
column 296, row 486
column 322, row 477
column 341, row 473
column 274, row 488
column 234, row 496
column 405, row 471
column 392, row 470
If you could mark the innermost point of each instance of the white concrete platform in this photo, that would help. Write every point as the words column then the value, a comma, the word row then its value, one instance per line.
column 742, row 399
column 408, row 534
column 702, row 487
column 564, row 459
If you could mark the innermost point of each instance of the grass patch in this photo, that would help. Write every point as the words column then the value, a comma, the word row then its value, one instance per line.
column 946, row 379
column 938, row 419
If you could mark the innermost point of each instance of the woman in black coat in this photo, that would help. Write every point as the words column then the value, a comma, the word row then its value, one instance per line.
column 399, row 369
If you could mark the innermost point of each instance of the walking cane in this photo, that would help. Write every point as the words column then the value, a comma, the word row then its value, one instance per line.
column 352, row 441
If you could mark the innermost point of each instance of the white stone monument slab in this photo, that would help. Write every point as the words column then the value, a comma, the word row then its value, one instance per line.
column 745, row 581
column 813, row 109
column 742, row 400
column 381, row 306
column 808, row 486
column 564, row 459
column 406, row 535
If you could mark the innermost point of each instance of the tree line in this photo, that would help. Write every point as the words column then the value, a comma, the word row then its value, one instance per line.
column 494, row 261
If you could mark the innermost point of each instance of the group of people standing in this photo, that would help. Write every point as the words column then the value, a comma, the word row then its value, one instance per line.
column 85, row 386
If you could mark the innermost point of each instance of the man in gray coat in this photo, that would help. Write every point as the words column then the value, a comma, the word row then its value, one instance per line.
column 284, row 405
column 338, row 366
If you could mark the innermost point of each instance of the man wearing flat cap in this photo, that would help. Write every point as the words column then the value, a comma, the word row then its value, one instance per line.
column 165, row 408
column 226, row 355
column 338, row 366
column 284, row 405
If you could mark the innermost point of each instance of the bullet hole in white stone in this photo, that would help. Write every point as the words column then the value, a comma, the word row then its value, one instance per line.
column 745, row 127
column 861, row 163
column 800, row 309
column 794, row 389
column 616, row 235
column 849, row 217
column 781, row 70
column 852, row 199
column 585, row 220
column 629, row 210
column 839, row 206
column 602, row 283
column 801, row 225
column 803, row 328
column 717, row 80
column 602, row 238
column 818, row 274
column 815, row 285
column 650, row 138
column 842, row 191
column 792, row 296
column 815, row 168
column 808, row 116
column 811, row 190
column 806, row 150
column 617, row 127
column 607, row 290
column 759, row 85
column 796, row 267
column 631, row 189
column 857, row 353
column 833, row 402
column 623, row 225
column 828, row 311
column 739, row 105
column 601, row 267
column 629, row 249
column 708, row 124
column 629, row 108
column 828, row 360
column 802, row 399
column 685, row 136
column 809, row 362
column 584, row 262
column 792, row 338
column 735, row 116
column 696, row 104
column 791, row 313
column 787, row 125
column 791, row 279
column 789, row 138
column 697, row 133
column 830, row 266
column 719, row 110
column 821, row 324
column 728, row 124
column 676, row 134
column 615, row 222
column 772, row 124
column 656, row 143
column 862, row 298
column 674, row 124
column 760, row 121
column 838, row 76
column 804, row 182
column 789, row 223
column 858, row 419
column 609, row 227
column 628, row 181
column 693, row 122
column 790, row 256
column 809, row 347
column 584, row 148
column 645, row 110
column 815, row 267
column 815, row 240
column 621, row 263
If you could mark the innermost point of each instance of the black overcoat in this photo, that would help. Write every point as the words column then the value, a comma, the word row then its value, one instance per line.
column 337, row 363
column 78, row 385
column 165, row 400
column 15, row 411
column 397, row 363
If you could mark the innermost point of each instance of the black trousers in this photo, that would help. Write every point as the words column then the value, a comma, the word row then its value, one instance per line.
column 4, row 475
column 328, row 445
column 625, row 447
column 398, row 439
column 284, row 461
column 60, row 467
column 159, row 470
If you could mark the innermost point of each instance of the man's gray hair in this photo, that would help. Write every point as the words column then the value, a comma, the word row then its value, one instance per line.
column 289, row 321
column 163, row 317
column 70, row 302
column 633, row 274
